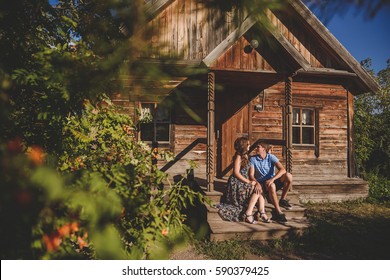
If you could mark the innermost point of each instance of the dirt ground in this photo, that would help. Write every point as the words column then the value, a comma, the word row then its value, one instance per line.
column 187, row 253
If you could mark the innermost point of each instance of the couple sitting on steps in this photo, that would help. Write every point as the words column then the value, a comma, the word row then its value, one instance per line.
column 252, row 179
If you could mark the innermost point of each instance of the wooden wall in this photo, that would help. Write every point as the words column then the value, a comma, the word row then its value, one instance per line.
column 331, row 102
column 189, row 31
column 333, row 135
column 236, row 58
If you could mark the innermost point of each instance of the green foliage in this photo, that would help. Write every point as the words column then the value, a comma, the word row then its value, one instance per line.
column 102, row 140
column 372, row 134
column 379, row 186
column 223, row 250
column 105, row 199
column 49, row 217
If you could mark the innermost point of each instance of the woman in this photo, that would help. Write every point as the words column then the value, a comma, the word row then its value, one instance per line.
column 242, row 194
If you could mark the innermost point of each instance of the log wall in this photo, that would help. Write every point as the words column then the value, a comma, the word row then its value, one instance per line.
column 331, row 103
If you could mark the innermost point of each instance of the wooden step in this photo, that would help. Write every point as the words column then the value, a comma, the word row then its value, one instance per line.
column 330, row 190
column 297, row 212
column 224, row 230
column 215, row 196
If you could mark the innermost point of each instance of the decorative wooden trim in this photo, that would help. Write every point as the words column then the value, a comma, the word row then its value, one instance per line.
column 318, row 28
column 210, row 166
column 289, row 119
column 229, row 41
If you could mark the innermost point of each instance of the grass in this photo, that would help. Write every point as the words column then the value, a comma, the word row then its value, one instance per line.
column 349, row 230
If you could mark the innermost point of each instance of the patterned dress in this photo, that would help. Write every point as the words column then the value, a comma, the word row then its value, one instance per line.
column 236, row 197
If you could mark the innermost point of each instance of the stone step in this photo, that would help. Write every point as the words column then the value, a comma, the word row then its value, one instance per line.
column 224, row 230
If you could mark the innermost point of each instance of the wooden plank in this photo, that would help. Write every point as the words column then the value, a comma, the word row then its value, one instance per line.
column 153, row 10
column 181, row 28
column 229, row 41
column 187, row 34
column 326, row 71
column 222, row 230
column 174, row 29
column 201, row 34
column 192, row 29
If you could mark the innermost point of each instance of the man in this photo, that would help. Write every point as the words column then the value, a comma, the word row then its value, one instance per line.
column 262, row 169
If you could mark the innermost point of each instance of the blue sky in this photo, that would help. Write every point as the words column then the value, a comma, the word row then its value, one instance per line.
column 364, row 38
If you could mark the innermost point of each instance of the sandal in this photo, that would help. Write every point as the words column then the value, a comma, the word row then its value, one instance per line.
column 250, row 221
column 263, row 217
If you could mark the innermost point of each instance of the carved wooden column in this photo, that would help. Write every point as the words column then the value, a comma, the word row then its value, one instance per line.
column 289, row 121
column 210, row 131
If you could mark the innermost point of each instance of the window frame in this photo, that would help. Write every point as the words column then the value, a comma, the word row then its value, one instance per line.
column 301, row 126
column 155, row 123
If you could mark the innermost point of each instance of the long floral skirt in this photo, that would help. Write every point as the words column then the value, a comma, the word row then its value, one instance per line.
column 235, row 200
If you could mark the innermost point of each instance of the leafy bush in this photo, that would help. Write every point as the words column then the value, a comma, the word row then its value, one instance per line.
column 102, row 140
column 45, row 216
column 379, row 187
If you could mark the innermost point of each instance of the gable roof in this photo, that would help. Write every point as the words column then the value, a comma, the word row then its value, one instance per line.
column 364, row 80
column 316, row 25
column 361, row 80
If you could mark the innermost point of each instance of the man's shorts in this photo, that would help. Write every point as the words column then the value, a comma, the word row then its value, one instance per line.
column 278, row 184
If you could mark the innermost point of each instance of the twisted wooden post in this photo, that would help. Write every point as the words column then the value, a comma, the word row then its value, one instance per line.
column 210, row 130
column 289, row 121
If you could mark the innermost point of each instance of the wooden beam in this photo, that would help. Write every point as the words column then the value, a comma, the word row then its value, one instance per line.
column 210, row 131
column 152, row 10
column 325, row 71
column 288, row 47
column 229, row 41
column 318, row 28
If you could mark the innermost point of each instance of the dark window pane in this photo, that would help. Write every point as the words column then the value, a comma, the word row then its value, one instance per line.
column 296, row 135
column 307, row 135
column 162, row 132
column 147, row 132
column 295, row 116
column 162, row 115
column 307, row 117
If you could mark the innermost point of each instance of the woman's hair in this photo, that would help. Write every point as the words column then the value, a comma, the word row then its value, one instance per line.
column 241, row 147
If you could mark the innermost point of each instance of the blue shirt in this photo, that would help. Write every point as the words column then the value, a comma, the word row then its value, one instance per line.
column 264, row 168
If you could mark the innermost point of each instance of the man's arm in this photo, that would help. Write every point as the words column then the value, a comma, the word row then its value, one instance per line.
column 280, row 173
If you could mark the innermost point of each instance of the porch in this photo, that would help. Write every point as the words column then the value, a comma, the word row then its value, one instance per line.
column 304, row 190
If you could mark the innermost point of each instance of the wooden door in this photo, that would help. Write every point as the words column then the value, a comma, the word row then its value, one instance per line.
column 237, row 125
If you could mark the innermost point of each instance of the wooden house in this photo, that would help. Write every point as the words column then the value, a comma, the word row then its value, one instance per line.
column 281, row 77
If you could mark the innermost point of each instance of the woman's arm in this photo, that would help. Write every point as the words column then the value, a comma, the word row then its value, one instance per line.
column 237, row 168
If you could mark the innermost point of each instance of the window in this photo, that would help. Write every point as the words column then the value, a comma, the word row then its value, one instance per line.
column 154, row 123
column 303, row 126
